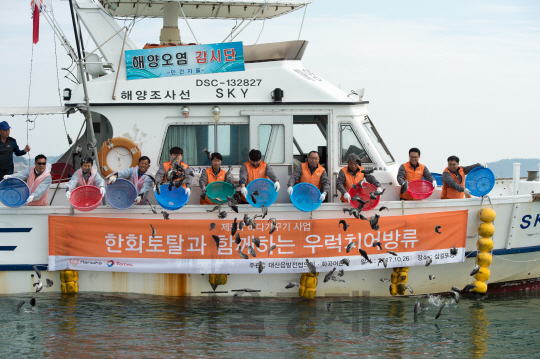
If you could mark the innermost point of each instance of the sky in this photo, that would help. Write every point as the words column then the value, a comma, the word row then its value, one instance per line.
column 451, row 78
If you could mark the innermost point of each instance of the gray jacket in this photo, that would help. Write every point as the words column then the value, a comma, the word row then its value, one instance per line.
column 402, row 173
column 161, row 172
column 449, row 180
column 74, row 181
column 203, row 179
column 297, row 174
column 244, row 174
column 41, row 189
column 341, row 180
column 128, row 174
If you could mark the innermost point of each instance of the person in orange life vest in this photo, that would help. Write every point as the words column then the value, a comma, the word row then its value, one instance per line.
column 38, row 179
column 176, row 155
column 138, row 176
column 212, row 174
column 254, row 169
column 453, row 178
column 412, row 171
column 311, row 172
column 87, row 175
column 351, row 175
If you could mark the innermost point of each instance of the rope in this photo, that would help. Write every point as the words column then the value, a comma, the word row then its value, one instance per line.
column 509, row 260
column 188, row 24
column 260, row 32
column 28, row 103
column 58, row 83
column 305, row 10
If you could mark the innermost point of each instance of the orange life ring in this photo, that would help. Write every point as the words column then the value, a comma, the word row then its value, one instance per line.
column 117, row 142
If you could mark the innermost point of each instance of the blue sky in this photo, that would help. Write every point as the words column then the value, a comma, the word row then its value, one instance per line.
column 452, row 78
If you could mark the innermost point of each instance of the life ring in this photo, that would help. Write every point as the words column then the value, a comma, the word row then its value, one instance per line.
column 117, row 142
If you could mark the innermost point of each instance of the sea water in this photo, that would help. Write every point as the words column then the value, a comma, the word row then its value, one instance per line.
column 105, row 325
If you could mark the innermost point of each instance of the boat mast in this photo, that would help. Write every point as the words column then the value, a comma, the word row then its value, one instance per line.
column 86, row 111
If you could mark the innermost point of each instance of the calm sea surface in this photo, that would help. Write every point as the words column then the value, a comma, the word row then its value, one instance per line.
column 139, row 326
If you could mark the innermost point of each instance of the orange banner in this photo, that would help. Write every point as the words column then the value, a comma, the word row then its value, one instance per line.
column 177, row 243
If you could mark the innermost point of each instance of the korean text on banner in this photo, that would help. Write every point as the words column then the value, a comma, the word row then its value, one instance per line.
column 187, row 246
column 184, row 60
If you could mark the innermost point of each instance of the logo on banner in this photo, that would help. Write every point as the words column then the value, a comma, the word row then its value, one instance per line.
column 110, row 263
column 74, row 262
column 91, row 262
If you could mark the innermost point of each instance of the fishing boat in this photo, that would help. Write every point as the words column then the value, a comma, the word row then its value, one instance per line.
column 230, row 97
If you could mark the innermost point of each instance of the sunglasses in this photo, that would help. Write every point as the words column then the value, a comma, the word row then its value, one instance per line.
column 41, row 163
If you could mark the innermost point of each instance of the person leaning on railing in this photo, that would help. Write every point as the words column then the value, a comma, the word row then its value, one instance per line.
column 351, row 175
column 87, row 175
column 453, row 178
column 138, row 176
column 254, row 169
column 310, row 172
column 39, row 180
column 412, row 171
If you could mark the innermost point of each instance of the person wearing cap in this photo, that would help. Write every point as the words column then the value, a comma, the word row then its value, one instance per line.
column 38, row 179
column 254, row 169
column 352, row 174
column 139, row 176
column 176, row 154
column 310, row 172
column 87, row 175
column 212, row 174
column 412, row 171
column 453, row 178
column 8, row 146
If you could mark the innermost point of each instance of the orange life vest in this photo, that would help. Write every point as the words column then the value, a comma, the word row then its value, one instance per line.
column 412, row 175
column 255, row 173
column 212, row 178
column 33, row 184
column 350, row 179
column 450, row 193
column 315, row 178
column 167, row 166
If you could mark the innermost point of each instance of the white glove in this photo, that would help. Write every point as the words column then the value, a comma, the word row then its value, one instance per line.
column 7, row 176
column 112, row 179
column 277, row 186
column 322, row 197
column 347, row 196
column 379, row 189
column 68, row 195
column 203, row 188
column 138, row 199
column 102, row 190
column 30, row 199
column 481, row 164
column 467, row 192
column 188, row 191
column 243, row 190
column 289, row 191
column 434, row 183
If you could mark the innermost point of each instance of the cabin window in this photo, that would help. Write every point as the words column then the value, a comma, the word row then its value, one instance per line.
column 232, row 142
column 377, row 141
column 272, row 143
column 351, row 144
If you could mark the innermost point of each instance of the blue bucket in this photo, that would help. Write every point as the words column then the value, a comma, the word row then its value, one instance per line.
column 438, row 178
column 172, row 200
column 480, row 181
column 121, row 194
column 305, row 197
column 220, row 190
column 14, row 192
column 267, row 193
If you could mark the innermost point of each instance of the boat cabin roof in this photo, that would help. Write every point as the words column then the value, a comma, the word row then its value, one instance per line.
column 220, row 9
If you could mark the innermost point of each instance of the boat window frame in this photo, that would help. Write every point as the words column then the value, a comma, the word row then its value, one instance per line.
column 223, row 121
column 368, row 120
column 359, row 138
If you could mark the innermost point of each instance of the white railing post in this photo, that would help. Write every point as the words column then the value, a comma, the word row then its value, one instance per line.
column 515, row 184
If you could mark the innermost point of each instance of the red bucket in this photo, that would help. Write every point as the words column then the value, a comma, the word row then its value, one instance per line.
column 85, row 198
column 420, row 189
column 363, row 192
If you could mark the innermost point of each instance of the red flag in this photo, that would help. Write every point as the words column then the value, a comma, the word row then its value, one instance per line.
column 36, row 22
